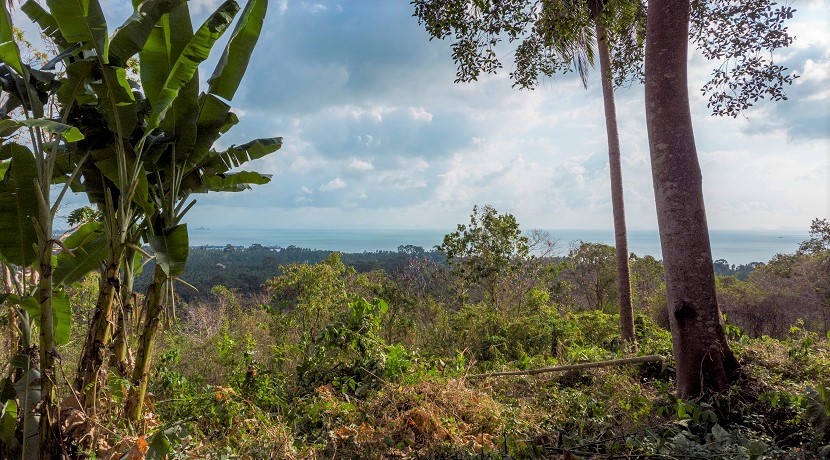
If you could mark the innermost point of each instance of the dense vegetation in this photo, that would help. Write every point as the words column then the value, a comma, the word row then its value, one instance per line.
column 326, row 360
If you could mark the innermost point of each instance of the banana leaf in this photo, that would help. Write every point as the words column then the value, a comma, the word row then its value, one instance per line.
column 70, row 133
column 47, row 23
column 234, row 61
column 116, row 100
column 9, row 52
column 131, row 37
column 171, row 248
column 232, row 182
column 237, row 155
column 18, row 205
column 75, row 86
column 82, row 21
column 196, row 51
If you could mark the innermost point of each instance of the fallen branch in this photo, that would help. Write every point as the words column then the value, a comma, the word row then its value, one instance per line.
column 542, row 370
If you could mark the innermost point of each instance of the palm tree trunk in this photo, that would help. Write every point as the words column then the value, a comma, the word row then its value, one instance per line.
column 134, row 407
column 617, row 202
column 704, row 361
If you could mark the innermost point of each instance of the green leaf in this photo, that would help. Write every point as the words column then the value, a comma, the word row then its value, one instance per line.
column 131, row 37
column 237, row 155
column 85, row 258
column 62, row 312
column 74, row 87
column 171, row 248
column 83, row 234
column 9, row 52
column 234, row 61
column 82, row 21
column 18, row 205
column 109, row 167
column 70, row 133
column 214, row 115
column 196, row 51
column 232, row 182
column 8, row 421
column 167, row 39
column 160, row 447
column 47, row 23
column 116, row 100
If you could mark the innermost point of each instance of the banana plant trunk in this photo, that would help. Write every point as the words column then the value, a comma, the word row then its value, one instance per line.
column 154, row 305
column 99, row 335
column 617, row 202
column 704, row 361
column 49, row 442
column 118, row 358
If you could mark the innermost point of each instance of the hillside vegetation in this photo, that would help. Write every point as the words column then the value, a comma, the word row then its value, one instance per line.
column 324, row 361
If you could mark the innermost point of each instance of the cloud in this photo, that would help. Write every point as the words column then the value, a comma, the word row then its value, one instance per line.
column 376, row 133
column 334, row 184
column 357, row 164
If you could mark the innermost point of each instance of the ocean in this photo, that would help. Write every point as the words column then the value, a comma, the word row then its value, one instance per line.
column 735, row 246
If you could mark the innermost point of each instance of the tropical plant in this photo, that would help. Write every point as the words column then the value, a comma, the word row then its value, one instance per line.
column 137, row 151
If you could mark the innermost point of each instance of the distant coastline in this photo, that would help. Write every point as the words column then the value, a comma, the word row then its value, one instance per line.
column 735, row 246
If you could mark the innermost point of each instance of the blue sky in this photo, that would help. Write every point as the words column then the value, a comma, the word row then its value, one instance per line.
column 377, row 135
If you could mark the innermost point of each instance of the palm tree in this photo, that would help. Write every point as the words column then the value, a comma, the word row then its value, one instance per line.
column 558, row 37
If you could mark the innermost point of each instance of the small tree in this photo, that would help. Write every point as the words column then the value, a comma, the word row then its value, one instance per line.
column 490, row 247
column 592, row 275
column 819, row 238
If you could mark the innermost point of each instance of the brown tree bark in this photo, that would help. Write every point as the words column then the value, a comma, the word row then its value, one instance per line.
column 704, row 361
column 617, row 202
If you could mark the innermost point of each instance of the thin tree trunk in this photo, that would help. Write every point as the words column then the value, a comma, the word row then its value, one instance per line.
column 704, row 361
column 49, row 442
column 99, row 335
column 134, row 407
column 617, row 202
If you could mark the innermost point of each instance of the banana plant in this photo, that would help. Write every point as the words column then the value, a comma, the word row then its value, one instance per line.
column 137, row 151
column 29, row 153
column 180, row 166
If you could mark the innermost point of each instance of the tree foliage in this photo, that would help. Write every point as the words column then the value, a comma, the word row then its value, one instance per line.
column 552, row 36
column 555, row 36
column 490, row 246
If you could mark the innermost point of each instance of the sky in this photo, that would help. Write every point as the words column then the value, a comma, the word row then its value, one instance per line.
column 377, row 135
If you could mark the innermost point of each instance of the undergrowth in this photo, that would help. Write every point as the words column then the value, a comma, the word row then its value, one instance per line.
column 348, row 393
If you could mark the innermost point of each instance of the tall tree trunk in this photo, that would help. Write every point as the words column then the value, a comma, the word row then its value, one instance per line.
column 99, row 335
column 617, row 202
column 154, row 305
column 704, row 361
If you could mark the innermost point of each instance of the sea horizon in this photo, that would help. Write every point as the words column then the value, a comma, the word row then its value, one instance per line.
column 735, row 246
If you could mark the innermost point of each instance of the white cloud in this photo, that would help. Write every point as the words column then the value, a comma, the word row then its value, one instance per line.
column 357, row 164
column 420, row 114
column 334, row 184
